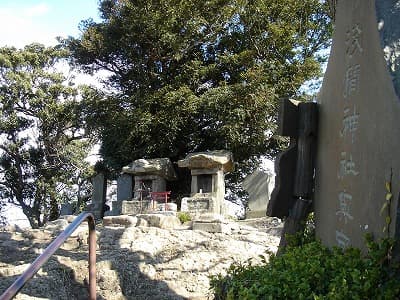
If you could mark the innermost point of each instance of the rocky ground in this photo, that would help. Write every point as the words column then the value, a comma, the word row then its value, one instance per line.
column 134, row 262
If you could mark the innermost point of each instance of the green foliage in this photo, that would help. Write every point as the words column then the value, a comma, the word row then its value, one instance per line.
column 385, row 209
column 42, row 148
column 313, row 271
column 305, row 236
column 189, row 76
column 184, row 217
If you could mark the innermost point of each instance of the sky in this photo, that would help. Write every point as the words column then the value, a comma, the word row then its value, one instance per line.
column 25, row 21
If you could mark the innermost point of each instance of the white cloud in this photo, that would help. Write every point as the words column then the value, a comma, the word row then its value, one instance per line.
column 21, row 27
column 36, row 10
column 25, row 22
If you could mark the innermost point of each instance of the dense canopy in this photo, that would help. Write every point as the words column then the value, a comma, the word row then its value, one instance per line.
column 190, row 76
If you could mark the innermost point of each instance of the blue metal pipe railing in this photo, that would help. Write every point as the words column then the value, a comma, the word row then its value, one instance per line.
column 53, row 247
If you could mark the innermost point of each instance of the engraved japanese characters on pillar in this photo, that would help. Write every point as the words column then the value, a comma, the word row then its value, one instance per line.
column 351, row 80
column 347, row 166
column 349, row 129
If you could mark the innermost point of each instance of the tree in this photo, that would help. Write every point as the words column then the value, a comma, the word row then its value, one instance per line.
column 198, row 75
column 42, row 146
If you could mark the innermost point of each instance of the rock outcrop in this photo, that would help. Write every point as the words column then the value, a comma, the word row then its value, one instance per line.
column 134, row 262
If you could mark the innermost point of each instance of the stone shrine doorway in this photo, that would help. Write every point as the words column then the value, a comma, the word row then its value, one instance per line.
column 204, row 183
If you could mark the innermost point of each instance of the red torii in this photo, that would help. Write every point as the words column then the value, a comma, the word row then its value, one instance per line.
column 160, row 196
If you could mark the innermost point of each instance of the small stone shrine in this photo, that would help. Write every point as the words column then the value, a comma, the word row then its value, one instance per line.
column 208, row 181
column 358, row 164
column 136, row 183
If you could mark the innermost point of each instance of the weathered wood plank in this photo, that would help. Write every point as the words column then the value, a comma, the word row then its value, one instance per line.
column 306, row 150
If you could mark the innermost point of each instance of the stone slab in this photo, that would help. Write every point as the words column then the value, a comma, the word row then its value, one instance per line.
column 66, row 209
column 210, row 218
column 124, row 187
column 116, row 208
column 167, row 207
column 123, row 220
column 68, row 218
column 57, row 225
column 157, row 166
column 259, row 186
column 161, row 221
column 197, row 204
column 135, row 207
column 220, row 159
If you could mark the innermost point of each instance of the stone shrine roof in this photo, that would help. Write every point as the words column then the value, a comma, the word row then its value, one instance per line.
column 156, row 166
column 221, row 159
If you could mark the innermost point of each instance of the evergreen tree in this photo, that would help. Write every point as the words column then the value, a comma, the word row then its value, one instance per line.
column 42, row 146
column 192, row 76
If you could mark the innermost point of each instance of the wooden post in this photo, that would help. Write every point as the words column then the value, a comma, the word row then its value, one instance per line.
column 282, row 198
column 304, row 175
column 306, row 150
column 294, row 168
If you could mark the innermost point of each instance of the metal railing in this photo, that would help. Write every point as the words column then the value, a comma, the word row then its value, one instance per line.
column 53, row 247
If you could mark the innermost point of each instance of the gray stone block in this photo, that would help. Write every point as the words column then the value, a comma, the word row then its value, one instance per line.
column 122, row 220
column 212, row 227
column 161, row 220
column 135, row 207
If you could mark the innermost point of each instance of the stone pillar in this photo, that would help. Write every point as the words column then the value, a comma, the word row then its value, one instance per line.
column 194, row 186
column 219, row 190
column 358, row 166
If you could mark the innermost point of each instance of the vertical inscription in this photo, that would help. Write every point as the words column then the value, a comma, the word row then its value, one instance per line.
column 350, row 124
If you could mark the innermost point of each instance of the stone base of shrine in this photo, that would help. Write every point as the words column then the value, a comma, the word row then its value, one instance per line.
column 199, row 205
column 134, row 207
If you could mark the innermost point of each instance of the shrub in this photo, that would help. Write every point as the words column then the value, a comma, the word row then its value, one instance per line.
column 313, row 271
column 184, row 217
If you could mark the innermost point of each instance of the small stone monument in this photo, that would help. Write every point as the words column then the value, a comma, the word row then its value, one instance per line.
column 358, row 164
column 259, row 186
column 208, row 180
column 138, row 179
column 66, row 209
column 99, row 196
